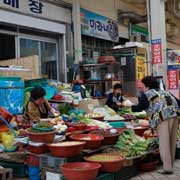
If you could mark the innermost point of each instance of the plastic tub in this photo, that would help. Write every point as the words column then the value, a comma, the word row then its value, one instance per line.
column 111, row 165
column 92, row 141
column 80, row 170
column 66, row 149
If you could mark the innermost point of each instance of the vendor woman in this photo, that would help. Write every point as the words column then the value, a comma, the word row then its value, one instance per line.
column 115, row 99
column 37, row 106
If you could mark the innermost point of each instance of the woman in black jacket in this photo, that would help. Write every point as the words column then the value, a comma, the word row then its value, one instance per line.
column 115, row 99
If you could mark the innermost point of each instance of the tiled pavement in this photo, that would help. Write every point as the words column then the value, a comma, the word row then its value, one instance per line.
column 156, row 176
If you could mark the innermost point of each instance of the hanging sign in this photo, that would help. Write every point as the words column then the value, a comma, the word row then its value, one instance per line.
column 141, row 70
column 172, row 79
column 156, row 51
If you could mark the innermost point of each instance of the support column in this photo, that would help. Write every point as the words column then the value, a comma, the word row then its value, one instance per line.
column 77, row 31
column 157, row 34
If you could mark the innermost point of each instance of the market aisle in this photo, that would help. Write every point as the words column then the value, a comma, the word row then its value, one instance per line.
column 153, row 175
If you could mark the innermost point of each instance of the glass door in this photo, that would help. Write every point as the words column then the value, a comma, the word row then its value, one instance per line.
column 47, row 52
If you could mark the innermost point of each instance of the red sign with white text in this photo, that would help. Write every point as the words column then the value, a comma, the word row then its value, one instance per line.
column 156, row 51
column 172, row 79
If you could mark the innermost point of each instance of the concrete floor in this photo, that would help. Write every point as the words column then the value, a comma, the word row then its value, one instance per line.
column 153, row 175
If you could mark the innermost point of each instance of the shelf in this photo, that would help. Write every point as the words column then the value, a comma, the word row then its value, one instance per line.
column 93, row 65
column 99, row 64
column 100, row 81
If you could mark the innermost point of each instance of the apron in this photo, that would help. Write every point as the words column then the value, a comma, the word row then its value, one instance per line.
column 42, row 114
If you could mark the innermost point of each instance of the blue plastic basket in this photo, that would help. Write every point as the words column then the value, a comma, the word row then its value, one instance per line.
column 12, row 96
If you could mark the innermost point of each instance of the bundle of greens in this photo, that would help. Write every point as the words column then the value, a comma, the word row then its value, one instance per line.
column 134, row 145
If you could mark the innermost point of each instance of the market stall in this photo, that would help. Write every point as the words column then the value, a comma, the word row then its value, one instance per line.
column 94, row 142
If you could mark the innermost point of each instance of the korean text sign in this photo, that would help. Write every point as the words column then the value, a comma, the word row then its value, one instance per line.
column 98, row 26
column 173, row 79
column 35, row 6
column 156, row 51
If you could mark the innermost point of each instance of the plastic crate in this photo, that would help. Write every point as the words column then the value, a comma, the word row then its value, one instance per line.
column 118, row 124
column 19, row 170
column 126, row 173
column 36, row 82
column 106, row 176
column 32, row 160
column 53, row 163
column 9, row 78
column 12, row 96
column 177, row 153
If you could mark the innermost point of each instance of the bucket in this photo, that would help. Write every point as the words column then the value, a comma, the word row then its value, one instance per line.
column 33, row 173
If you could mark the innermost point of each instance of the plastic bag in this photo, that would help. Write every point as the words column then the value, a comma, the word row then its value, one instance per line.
column 7, row 139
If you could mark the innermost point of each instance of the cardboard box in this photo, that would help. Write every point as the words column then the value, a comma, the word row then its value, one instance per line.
column 88, row 104
column 31, row 63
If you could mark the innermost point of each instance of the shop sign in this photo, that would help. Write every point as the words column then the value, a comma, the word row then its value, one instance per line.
column 141, row 70
column 95, row 25
column 156, row 51
column 37, row 8
column 172, row 79
column 173, row 57
column 139, row 32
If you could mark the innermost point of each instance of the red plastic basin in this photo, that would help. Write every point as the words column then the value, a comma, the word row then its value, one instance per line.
column 80, row 170
column 113, row 165
column 37, row 149
column 92, row 141
column 80, row 126
column 44, row 137
column 109, row 138
column 66, row 149
column 140, row 130
column 148, row 166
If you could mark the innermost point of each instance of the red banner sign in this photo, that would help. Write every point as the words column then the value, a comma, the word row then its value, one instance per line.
column 156, row 51
column 172, row 79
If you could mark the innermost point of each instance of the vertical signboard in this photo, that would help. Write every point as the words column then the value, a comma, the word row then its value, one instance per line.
column 156, row 51
column 173, row 79
column 141, row 70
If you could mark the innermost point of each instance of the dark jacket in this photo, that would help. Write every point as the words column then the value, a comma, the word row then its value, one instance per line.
column 143, row 103
column 112, row 101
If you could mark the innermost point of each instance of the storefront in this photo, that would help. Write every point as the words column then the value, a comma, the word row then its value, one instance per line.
column 28, row 28
column 99, row 34
column 174, row 72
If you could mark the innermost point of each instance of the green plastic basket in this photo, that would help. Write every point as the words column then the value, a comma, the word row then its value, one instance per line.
column 177, row 153
column 36, row 82
column 9, row 78
column 106, row 176
column 118, row 124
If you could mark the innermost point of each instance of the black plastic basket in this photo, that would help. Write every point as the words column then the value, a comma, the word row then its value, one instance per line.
column 19, row 170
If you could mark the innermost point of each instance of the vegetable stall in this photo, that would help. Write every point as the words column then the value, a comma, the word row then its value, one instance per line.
column 99, row 144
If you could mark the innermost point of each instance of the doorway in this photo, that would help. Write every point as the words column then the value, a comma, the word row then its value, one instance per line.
column 7, row 47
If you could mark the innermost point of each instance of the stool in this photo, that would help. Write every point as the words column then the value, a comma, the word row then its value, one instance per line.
column 6, row 174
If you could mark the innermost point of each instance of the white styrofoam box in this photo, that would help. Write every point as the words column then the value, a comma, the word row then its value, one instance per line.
column 53, row 176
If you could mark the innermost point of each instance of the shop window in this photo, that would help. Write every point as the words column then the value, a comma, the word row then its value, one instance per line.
column 7, row 47
column 47, row 53
column 49, row 59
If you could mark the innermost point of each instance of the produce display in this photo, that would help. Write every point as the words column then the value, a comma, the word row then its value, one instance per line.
column 140, row 115
column 108, row 113
column 134, row 145
column 94, row 115
column 92, row 122
column 103, row 158
column 149, row 134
